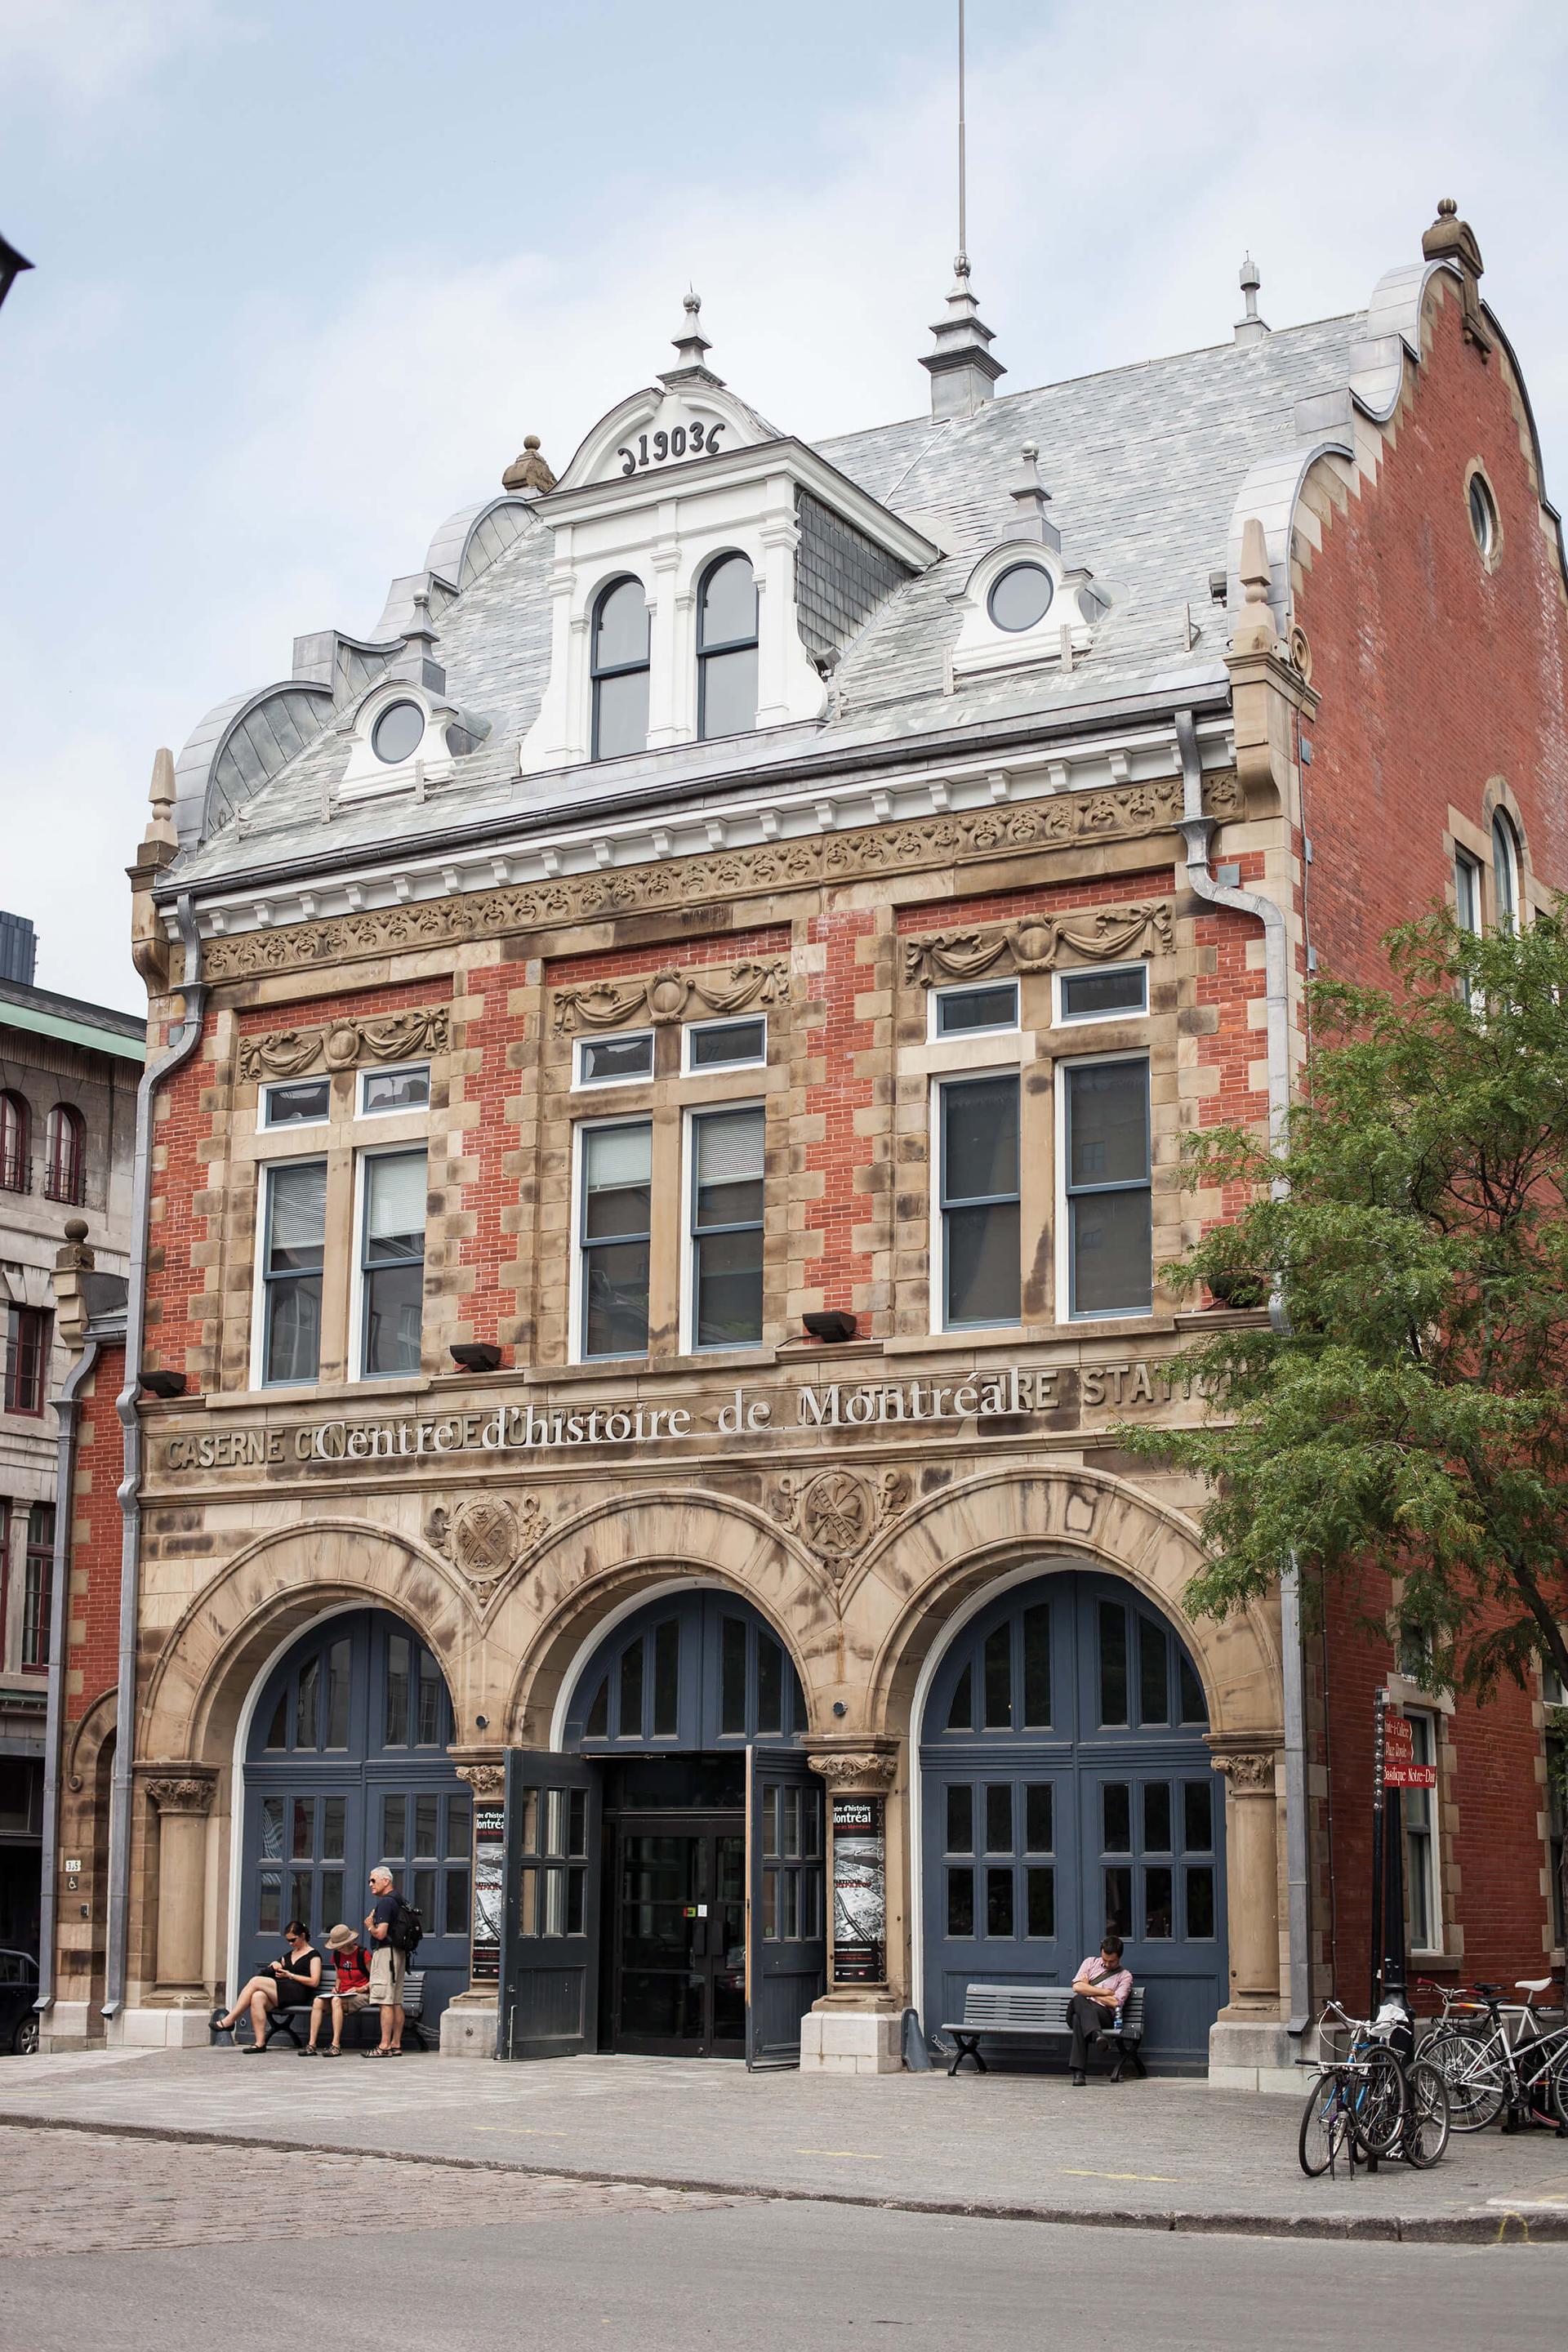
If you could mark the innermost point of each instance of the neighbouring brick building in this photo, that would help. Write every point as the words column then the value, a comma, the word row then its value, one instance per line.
column 67, row 1123
column 672, row 1056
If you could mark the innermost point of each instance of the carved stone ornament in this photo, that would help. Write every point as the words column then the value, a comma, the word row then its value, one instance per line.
column 1118, row 812
column 845, row 1768
column 837, row 1512
column 1249, row 1775
column 341, row 1044
column 667, row 996
column 1034, row 943
column 486, row 1534
column 488, row 1782
column 184, row 1795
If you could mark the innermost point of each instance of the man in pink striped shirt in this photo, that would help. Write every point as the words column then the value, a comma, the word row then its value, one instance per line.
column 1099, row 1991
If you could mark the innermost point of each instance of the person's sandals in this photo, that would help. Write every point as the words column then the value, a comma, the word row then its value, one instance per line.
column 333, row 2050
column 253, row 2048
column 381, row 2053
column 308, row 2049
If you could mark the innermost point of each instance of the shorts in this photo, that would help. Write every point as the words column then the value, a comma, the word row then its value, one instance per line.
column 386, row 1969
column 353, row 2000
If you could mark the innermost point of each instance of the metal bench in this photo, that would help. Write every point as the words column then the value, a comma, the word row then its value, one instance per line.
column 1036, row 2013
column 288, row 2018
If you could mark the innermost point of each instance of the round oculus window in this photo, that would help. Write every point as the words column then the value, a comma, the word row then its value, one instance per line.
column 1021, row 596
column 398, row 732
column 1483, row 516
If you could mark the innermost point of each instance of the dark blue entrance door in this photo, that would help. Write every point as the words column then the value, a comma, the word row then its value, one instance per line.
column 1066, row 1788
column 346, row 1767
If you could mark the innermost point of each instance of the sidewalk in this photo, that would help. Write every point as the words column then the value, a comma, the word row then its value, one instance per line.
column 1163, row 2154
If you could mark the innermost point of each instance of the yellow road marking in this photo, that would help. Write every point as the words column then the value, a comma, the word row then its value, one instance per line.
column 1077, row 2172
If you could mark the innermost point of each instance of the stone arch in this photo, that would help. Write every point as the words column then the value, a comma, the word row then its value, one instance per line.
column 607, row 1554
column 949, row 1546
column 87, row 1739
column 271, row 1590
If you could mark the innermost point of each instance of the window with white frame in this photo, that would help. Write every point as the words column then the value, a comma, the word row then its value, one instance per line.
column 614, row 1231
column 296, row 1102
column 727, row 648
column 725, row 1044
column 978, row 1203
column 1467, row 891
column 1107, row 1183
column 393, row 1190
column 1423, row 1907
column 1505, row 871
column 975, row 1012
column 1102, row 994
column 293, row 1249
column 616, row 1060
column 620, row 664
column 405, row 1088
column 725, row 1233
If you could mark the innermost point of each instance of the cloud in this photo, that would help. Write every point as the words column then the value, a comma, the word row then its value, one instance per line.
column 81, row 52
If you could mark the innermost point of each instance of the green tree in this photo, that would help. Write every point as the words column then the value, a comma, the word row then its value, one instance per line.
column 1404, row 1409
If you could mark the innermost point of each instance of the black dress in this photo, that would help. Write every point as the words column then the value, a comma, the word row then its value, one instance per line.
column 295, row 1990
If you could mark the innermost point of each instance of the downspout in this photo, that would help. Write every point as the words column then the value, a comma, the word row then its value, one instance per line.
column 1197, row 831
column 186, row 1041
column 67, row 1407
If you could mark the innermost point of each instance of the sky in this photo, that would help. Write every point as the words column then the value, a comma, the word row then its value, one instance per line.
column 307, row 273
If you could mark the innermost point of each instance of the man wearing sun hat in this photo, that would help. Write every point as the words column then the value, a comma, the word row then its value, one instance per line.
column 353, row 1963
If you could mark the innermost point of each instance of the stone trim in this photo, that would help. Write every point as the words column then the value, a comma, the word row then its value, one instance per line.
column 341, row 1044
column 837, row 1512
column 1034, row 943
column 187, row 1794
column 855, row 1769
column 1250, row 1775
column 666, row 996
column 1063, row 820
column 486, row 1534
column 488, row 1782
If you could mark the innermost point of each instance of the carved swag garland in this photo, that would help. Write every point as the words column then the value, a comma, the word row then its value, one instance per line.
column 666, row 995
column 341, row 1044
column 1034, row 943
column 1122, row 813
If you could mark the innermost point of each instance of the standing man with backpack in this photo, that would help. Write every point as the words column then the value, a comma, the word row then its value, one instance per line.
column 387, row 1924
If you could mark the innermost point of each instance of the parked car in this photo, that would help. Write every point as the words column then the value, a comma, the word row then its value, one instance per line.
column 19, row 1991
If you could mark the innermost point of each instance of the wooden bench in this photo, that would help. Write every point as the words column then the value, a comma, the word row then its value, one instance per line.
column 289, row 2017
column 1039, row 2012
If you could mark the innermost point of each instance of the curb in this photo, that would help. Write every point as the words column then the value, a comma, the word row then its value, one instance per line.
column 1510, row 2225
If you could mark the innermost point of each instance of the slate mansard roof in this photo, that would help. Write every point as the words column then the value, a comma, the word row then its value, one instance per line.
column 1151, row 470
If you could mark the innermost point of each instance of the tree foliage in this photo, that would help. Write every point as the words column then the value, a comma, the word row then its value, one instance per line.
column 1405, row 1407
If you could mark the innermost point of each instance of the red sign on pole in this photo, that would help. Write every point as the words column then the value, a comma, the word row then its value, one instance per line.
column 1409, row 1776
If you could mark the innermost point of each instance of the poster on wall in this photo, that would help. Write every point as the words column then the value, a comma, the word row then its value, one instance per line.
column 859, row 1891
column 489, row 1847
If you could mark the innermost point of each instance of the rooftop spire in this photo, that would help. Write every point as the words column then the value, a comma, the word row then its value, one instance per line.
column 1030, row 498
column 962, row 372
column 1250, row 328
column 692, row 347
column 1453, row 240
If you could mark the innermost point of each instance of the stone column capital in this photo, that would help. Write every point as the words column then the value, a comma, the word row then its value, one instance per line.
column 1250, row 1770
column 873, row 1771
column 182, row 1793
column 487, row 1780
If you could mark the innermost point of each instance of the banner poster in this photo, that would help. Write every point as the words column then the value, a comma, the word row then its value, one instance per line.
column 859, row 1891
column 490, row 1847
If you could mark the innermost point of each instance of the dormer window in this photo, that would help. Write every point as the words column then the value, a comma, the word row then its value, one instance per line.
column 727, row 648
column 620, row 669
column 398, row 732
column 1021, row 596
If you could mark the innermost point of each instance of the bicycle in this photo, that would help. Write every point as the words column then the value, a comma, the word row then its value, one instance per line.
column 1486, row 2069
column 1357, row 2105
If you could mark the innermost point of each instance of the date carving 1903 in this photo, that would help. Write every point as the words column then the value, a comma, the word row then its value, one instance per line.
column 693, row 440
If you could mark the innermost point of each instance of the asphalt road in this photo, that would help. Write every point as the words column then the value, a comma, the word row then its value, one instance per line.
column 135, row 2246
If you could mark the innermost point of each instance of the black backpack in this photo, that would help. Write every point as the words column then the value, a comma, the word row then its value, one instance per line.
column 406, row 1931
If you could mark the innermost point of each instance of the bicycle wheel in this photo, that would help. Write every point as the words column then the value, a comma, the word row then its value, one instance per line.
column 1377, row 2101
column 1470, row 2067
column 1325, row 2125
column 1426, row 2116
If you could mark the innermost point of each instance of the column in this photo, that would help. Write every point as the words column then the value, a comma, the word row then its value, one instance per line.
column 855, row 2028
column 1252, row 1865
column 468, row 2023
column 183, row 1802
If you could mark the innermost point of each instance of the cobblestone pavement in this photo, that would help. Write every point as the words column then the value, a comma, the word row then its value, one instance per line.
column 81, row 2193
column 994, row 2144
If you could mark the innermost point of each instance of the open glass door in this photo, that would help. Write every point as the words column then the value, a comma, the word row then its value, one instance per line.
column 786, row 1934
column 549, row 1921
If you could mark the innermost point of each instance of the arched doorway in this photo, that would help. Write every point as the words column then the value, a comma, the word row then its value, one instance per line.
column 1067, row 1786
column 665, row 1874
column 346, row 1765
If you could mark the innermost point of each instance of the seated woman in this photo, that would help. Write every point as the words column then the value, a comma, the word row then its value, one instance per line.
column 291, row 1979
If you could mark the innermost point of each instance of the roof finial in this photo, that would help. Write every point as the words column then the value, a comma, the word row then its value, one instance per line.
column 1254, row 631
column 161, row 797
column 962, row 372
column 1251, row 327
column 528, row 475
column 1031, row 498
column 960, row 266
column 1453, row 240
column 692, row 347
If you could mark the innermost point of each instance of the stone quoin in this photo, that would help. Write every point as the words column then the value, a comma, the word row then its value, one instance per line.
column 670, row 1064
